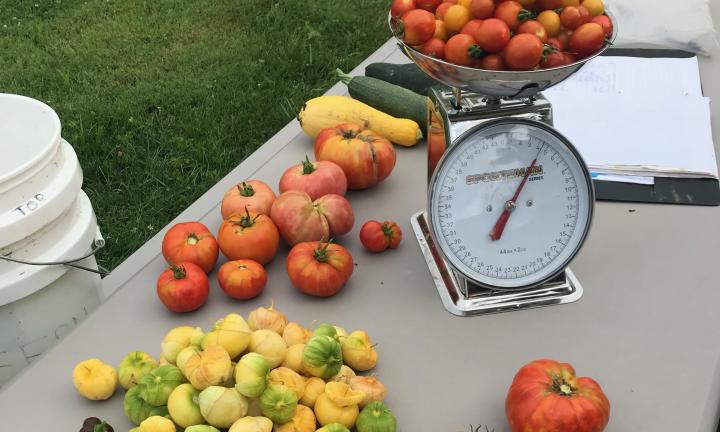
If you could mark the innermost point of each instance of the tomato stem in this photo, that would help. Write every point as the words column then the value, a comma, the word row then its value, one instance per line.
column 178, row 271
column 307, row 166
column 192, row 239
column 246, row 221
column 387, row 231
column 348, row 133
column 246, row 190
column 561, row 387
column 526, row 15
column 475, row 51
column 320, row 254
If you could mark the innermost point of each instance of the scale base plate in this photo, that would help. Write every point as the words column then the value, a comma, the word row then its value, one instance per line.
column 463, row 298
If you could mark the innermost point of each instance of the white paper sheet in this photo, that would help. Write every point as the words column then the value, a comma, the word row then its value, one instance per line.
column 643, row 180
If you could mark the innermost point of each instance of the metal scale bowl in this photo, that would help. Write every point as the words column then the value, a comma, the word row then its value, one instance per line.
column 474, row 99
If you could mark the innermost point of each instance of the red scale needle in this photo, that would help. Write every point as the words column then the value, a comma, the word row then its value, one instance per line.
column 497, row 230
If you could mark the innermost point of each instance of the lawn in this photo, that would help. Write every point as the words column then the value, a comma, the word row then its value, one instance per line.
column 163, row 98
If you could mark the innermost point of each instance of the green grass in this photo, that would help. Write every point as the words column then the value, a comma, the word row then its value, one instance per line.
column 162, row 98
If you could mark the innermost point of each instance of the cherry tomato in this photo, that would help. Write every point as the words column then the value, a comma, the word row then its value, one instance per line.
column 418, row 26
column 566, row 3
column 555, row 59
column 428, row 5
column 523, row 52
column 542, row 5
column 470, row 28
column 377, row 237
column 511, row 12
column 571, row 17
column 465, row 3
column 605, row 22
column 550, row 20
column 482, row 9
column 556, row 44
column 458, row 50
column 492, row 35
column 492, row 62
column 584, row 14
column 456, row 17
column 588, row 39
column 399, row 7
column 242, row 279
column 596, row 7
column 190, row 242
column 440, row 31
column 434, row 48
column 440, row 11
column 533, row 27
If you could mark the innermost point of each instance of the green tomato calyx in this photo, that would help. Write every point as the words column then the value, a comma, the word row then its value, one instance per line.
column 307, row 166
column 246, row 190
column 178, row 271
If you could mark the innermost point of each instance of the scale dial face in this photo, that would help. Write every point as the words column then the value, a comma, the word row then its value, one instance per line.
column 473, row 191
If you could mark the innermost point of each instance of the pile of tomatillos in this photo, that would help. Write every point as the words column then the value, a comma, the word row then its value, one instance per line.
column 263, row 375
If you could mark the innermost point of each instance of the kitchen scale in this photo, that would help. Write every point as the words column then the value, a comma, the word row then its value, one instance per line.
column 510, row 199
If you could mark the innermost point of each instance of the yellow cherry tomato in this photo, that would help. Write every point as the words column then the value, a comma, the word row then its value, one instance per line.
column 456, row 17
column 465, row 3
column 596, row 7
column 440, row 31
column 566, row 3
column 550, row 20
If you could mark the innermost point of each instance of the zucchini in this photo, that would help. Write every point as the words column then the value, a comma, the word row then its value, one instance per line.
column 388, row 98
column 408, row 76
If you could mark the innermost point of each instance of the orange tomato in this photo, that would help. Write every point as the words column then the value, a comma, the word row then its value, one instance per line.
column 550, row 20
column 253, row 194
column 456, row 17
column 523, row 52
column 249, row 236
column 440, row 11
column 440, row 31
column 190, row 242
column 596, row 7
column 434, row 48
column 509, row 11
column 458, row 50
column 492, row 62
column 319, row 269
column 533, row 27
column 527, row 3
column 242, row 279
column 471, row 27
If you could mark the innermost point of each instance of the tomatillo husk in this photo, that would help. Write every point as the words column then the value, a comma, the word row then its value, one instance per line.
column 326, row 412
column 376, row 417
column 371, row 387
column 302, row 421
column 322, row 356
column 342, row 395
column 333, row 427
column 183, row 406
column 268, row 319
column 252, row 424
column 278, row 403
column 293, row 359
column 134, row 366
column 295, row 334
column 251, row 375
column 231, row 333
column 344, row 375
column 209, row 367
column 177, row 339
column 289, row 378
column 221, row 406
column 157, row 424
column 270, row 345
column 314, row 387
column 358, row 351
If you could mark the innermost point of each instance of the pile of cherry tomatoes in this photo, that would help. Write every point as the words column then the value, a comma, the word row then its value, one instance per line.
column 503, row 34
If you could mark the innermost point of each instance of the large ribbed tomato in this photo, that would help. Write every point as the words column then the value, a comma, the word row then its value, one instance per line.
column 319, row 269
column 547, row 396
column 190, row 242
column 366, row 157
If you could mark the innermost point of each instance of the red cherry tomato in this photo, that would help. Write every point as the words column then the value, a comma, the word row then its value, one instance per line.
column 440, row 11
column 376, row 236
column 523, row 52
column 511, row 12
column 399, row 7
column 556, row 44
column 605, row 22
column 533, row 27
column 482, row 9
column 470, row 28
column 571, row 18
column 492, row 62
column 460, row 48
column 183, row 287
column 492, row 35
column 428, row 5
column 242, row 279
column 418, row 26
column 190, row 242
column 555, row 59
column 434, row 48
column 585, row 14
column 542, row 5
column 587, row 40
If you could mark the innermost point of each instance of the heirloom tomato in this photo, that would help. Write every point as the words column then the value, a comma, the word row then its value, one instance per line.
column 242, row 279
column 183, row 287
column 319, row 269
column 253, row 194
column 376, row 236
column 249, row 236
column 190, row 242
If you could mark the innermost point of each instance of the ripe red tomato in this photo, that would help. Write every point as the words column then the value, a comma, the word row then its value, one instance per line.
column 317, row 178
column 434, row 48
column 183, row 287
column 492, row 62
column 319, row 269
column 605, row 22
column 555, row 59
column 440, row 11
column 428, row 5
column 418, row 26
column 482, row 9
column 533, row 27
column 242, row 279
column 376, row 236
column 588, row 39
column 461, row 50
column 471, row 27
column 190, row 242
column 571, row 18
column 556, row 44
column 492, row 35
column 399, row 7
column 546, row 395
column 249, row 236
column 512, row 13
column 253, row 194
column 523, row 52
column 542, row 5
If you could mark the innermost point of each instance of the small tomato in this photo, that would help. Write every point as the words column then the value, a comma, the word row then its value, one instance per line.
column 376, row 236
column 183, row 287
column 242, row 279
column 190, row 242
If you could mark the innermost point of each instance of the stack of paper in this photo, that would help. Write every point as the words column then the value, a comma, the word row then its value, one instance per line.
column 633, row 119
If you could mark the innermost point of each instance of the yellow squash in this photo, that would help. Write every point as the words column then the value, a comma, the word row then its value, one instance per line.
column 329, row 111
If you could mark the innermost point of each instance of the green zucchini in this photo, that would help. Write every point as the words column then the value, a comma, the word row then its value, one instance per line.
column 408, row 76
column 388, row 98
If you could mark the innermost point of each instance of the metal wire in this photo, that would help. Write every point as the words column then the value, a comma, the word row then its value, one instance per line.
column 69, row 263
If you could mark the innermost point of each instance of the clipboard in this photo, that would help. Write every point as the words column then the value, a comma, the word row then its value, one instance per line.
column 666, row 190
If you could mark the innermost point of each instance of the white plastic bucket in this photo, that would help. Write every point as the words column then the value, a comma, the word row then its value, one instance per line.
column 44, row 217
